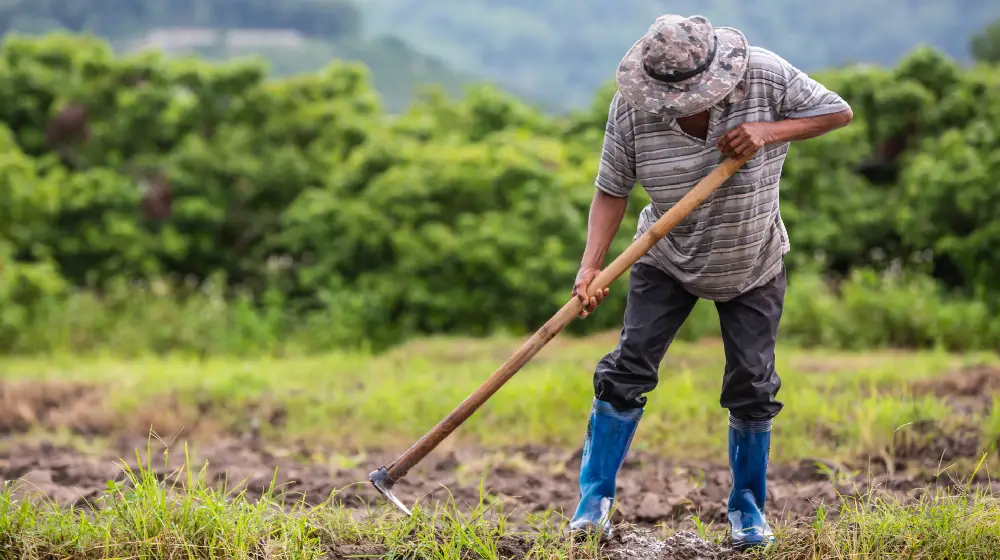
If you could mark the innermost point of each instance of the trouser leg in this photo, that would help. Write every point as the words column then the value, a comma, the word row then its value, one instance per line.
column 750, row 386
column 656, row 308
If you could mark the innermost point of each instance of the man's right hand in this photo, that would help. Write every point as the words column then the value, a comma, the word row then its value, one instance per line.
column 583, row 279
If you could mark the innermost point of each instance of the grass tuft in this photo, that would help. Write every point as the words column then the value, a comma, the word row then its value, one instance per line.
column 960, row 523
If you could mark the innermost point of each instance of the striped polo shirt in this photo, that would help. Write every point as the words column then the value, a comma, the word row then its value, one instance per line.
column 735, row 241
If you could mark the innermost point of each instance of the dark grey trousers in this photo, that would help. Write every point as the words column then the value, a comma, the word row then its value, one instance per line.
column 657, row 306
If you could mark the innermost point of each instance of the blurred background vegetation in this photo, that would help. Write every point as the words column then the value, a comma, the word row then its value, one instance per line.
column 322, row 197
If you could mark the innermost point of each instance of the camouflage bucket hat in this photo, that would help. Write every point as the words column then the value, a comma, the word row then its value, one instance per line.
column 682, row 66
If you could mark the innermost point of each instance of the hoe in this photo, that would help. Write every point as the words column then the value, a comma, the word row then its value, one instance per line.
column 385, row 478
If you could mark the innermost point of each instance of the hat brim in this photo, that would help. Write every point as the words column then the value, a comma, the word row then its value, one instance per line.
column 693, row 95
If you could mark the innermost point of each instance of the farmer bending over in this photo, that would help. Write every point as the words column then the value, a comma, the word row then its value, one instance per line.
column 688, row 95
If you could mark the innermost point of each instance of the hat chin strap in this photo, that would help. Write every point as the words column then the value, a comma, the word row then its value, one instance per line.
column 674, row 77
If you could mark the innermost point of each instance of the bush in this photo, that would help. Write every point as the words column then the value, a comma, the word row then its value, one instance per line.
column 299, row 211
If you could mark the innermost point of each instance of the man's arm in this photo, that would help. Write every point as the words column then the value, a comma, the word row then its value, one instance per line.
column 606, row 214
column 793, row 130
column 615, row 180
column 805, row 109
column 750, row 137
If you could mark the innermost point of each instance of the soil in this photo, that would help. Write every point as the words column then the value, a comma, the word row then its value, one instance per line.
column 49, row 405
column 640, row 544
column 630, row 545
column 968, row 389
column 652, row 490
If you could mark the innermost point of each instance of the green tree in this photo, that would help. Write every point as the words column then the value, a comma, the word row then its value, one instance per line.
column 458, row 215
column 985, row 45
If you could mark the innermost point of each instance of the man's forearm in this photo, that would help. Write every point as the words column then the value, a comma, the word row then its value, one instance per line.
column 606, row 214
column 792, row 130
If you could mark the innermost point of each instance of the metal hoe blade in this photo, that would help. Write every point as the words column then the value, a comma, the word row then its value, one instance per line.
column 382, row 482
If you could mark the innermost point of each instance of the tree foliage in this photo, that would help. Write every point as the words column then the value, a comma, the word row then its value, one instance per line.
column 985, row 45
column 456, row 216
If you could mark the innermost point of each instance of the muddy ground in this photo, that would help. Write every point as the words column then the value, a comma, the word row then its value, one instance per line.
column 530, row 480
column 652, row 490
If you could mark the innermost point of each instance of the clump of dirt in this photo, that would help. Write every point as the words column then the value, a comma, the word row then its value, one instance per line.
column 631, row 545
column 930, row 443
column 50, row 405
column 168, row 414
column 64, row 476
column 514, row 546
column 345, row 551
column 82, row 409
column 684, row 545
column 969, row 389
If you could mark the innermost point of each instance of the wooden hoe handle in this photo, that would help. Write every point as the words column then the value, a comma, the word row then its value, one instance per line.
column 564, row 316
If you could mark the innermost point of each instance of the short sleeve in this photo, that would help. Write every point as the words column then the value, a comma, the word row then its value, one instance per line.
column 616, row 172
column 799, row 96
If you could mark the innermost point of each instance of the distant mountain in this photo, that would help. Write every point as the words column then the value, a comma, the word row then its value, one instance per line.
column 328, row 19
column 555, row 53
column 396, row 70
column 561, row 51
column 292, row 36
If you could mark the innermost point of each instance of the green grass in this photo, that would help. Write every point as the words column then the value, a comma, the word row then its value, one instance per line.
column 146, row 517
column 964, row 523
column 837, row 405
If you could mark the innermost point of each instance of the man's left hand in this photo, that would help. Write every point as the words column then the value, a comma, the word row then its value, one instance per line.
column 745, row 139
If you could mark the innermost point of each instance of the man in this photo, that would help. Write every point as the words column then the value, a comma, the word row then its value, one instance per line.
column 689, row 95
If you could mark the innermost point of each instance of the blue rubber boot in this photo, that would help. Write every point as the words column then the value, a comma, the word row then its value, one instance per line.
column 609, row 435
column 749, row 448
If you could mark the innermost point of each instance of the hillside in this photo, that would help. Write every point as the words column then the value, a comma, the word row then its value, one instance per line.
column 396, row 71
column 555, row 54
column 560, row 51
column 293, row 36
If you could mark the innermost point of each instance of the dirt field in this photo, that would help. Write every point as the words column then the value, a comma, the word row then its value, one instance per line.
column 528, row 480
column 60, row 438
column 653, row 491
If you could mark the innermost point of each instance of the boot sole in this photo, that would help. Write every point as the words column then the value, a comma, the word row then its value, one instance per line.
column 587, row 533
column 747, row 546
